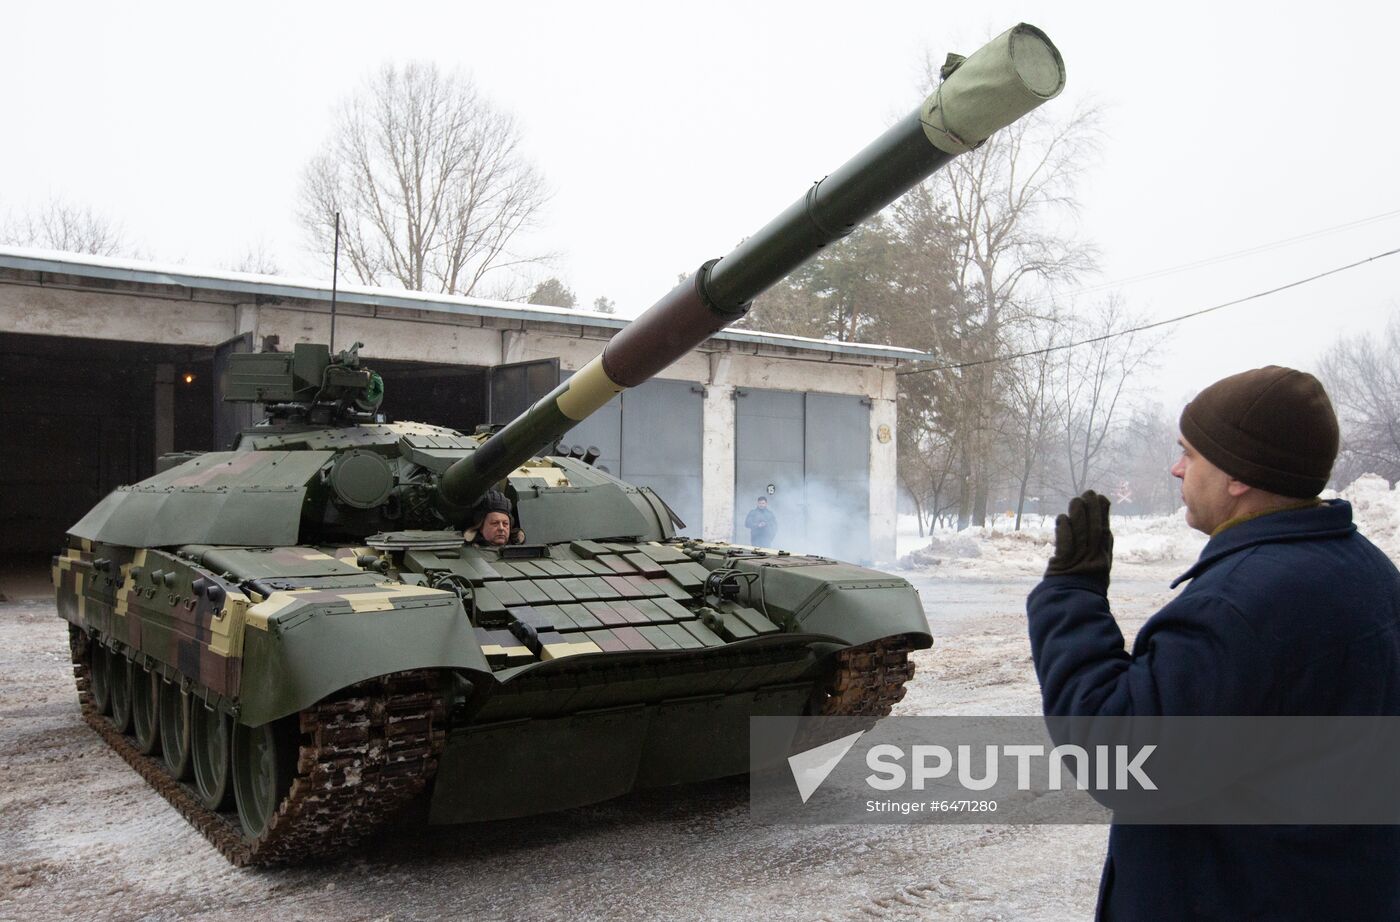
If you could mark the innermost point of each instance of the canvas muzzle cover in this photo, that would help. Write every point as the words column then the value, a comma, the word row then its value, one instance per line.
column 1000, row 82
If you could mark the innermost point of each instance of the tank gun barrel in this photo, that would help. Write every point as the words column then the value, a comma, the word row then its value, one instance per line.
column 1004, row 80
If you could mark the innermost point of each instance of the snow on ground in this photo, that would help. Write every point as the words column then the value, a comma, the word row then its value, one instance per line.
column 82, row 836
column 1145, row 544
column 995, row 552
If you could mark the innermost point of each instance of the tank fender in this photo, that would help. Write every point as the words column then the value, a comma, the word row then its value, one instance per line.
column 301, row 645
column 840, row 600
column 861, row 612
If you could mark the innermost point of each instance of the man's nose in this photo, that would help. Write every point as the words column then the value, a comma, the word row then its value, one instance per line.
column 1179, row 468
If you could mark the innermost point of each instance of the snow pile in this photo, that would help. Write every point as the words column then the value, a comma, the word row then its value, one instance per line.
column 1148, row 540
column 944, row 545
column 984, row 551
column 1156, row 539
column 1375, row 508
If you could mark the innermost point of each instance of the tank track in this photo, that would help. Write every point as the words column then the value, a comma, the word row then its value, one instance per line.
column 365, row 753
column 868, row 679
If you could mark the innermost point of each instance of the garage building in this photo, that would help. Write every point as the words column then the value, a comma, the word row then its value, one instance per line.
column 106, row 364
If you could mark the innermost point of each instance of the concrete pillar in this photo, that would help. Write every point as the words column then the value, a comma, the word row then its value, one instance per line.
column 717, row 454
column 883, row 480
column 245, row 320
column 165, row 409
column 515, row 346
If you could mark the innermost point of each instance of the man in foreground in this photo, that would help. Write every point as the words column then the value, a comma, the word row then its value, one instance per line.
column 1289, row 611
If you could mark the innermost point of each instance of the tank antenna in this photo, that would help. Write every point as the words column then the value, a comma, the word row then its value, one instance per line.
column 335, row 277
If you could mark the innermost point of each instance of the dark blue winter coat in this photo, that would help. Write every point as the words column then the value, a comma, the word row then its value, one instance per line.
column 1291, row 613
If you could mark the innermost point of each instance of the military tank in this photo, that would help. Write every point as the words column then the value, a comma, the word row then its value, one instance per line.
column 294, row 639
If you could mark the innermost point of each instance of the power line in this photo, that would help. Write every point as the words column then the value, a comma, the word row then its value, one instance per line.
column 1237, row 254
column 1157, row 323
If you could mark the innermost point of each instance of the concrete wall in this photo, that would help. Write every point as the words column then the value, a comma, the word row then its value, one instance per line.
column 181, row 316
column 128, row 317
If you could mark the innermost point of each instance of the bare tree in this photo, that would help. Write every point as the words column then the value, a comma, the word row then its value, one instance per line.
column 1009, row 199
column 1093, row 384
column 429, row 180
column 927, row 461
column 60, row 225
column 257, row 260
column 1031, row 408
column 1144, row 460
column 1362, row 376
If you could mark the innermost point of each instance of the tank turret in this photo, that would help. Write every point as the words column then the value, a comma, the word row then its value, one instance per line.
column 307, row 385
column 1005, row 79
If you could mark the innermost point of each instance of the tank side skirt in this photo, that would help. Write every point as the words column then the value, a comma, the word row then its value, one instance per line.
column 176, row 630
column 364, row 754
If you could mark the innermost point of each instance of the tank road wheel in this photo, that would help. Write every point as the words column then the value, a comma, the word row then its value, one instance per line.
column 209, row 739
column 264, row 761
column 119, row 682
column 99, row 674
column 145, row 722
column 175, row 729
column 309, row 784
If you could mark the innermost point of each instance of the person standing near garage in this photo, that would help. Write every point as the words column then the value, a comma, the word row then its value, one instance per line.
column 1289, row 611
column 762, row 524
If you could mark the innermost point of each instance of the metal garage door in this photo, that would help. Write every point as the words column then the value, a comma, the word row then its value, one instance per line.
column 769, row 461
column 651, row 435
column 662, row 433
column 813, row 450
column 515, row 387
column 838, row 476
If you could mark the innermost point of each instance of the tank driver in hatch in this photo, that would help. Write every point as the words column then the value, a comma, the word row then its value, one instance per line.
column 494, row 525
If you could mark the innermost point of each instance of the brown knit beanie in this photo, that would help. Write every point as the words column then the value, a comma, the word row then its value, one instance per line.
column 1272, row 428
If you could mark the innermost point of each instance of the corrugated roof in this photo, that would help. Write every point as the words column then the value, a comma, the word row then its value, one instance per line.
column 145, row 273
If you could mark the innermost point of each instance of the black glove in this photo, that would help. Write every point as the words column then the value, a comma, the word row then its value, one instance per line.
column 1083, row 542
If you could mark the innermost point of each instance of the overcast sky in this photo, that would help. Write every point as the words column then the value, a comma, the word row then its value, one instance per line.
column 669, row 132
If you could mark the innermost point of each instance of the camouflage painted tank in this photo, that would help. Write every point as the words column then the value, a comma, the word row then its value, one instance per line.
column 291, row 640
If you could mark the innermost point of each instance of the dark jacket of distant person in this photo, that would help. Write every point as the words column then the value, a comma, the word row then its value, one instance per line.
column 762, row 524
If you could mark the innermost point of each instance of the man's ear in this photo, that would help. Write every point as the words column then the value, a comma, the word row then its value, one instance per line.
column 1237, row 488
